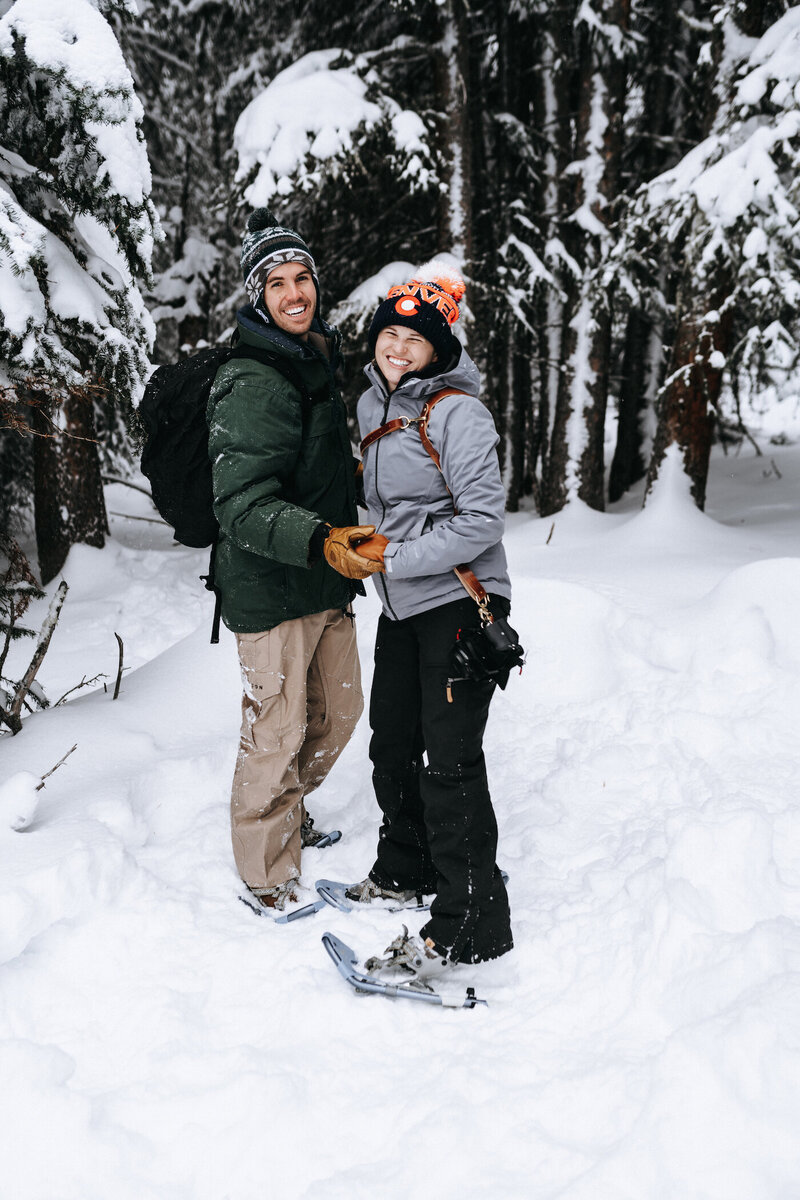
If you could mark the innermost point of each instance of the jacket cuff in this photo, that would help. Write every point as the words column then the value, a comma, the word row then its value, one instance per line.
column 316, row 542
column 389, row 553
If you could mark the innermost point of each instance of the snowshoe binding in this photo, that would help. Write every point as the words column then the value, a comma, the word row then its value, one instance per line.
column 347, row 896
column 368, row 982
column 315, row 838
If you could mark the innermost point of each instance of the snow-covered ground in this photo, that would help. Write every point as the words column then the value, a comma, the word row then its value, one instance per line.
column 160, row 1042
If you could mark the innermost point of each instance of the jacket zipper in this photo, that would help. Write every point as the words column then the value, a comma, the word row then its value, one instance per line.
column 383, row 509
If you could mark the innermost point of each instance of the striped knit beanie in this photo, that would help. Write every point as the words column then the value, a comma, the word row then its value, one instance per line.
column 268, row 244
column 427, row 303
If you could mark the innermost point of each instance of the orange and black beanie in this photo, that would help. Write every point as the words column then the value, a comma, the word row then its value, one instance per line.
column 268, row 244
column 428, row 303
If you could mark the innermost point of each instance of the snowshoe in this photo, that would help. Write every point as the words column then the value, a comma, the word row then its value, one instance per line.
column 347, row 896
column 363, row 982
column 271, row 901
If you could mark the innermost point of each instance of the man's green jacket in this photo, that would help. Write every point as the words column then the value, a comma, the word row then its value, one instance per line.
column 277, row 474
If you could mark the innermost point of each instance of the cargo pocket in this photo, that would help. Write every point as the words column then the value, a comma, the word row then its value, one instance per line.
column 262, row 683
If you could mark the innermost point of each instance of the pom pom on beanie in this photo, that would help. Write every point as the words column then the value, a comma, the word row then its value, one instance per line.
column 267, row 244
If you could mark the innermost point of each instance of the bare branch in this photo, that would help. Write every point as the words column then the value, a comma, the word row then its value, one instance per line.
column 47, row 774
column 129, row 517
column 83, row 683
column 137, row 487
column 119, row 668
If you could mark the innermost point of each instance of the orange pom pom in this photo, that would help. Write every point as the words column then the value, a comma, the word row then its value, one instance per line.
column 443, row 276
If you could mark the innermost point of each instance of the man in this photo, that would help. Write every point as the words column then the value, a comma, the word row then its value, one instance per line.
column 284, row 496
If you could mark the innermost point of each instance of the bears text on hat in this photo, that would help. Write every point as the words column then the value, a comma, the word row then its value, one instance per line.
column 426, row 293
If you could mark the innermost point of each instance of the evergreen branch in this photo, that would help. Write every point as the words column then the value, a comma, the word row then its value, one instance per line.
column 19, row 572
column 36, row 392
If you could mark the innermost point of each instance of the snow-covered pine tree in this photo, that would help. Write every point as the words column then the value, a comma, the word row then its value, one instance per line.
column 195, row 68
column 18, row 587
column 511, row 182
column 333, row 152
column 573, row 466
column 76, row 233
column 728, row 212
column 666, row 110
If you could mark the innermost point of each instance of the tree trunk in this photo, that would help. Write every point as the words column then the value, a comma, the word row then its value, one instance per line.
column 575, row 464
column 689, row 398
column 636, row 393
column 69, row 506
column 555, row 115
column 455, row 217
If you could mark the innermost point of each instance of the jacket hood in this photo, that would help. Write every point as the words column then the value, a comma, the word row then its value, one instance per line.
column 463, row 375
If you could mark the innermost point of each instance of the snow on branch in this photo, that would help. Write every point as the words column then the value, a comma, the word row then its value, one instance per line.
column 77, row 225
column 740, row 170
column 314, row 113
column 729, row 211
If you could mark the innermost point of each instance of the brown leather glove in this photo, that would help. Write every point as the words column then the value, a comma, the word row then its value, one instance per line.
column 339, row 551
column 373, row 548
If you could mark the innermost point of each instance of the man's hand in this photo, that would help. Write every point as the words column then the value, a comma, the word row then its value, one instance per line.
column 340, row 553
column 373, row 548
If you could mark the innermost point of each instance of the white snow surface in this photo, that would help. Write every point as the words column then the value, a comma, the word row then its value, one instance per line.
column 642, row 1042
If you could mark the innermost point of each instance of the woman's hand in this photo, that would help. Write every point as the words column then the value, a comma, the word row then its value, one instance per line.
column 373, row 548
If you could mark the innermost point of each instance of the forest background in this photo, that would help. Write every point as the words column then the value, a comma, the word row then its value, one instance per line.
column 617, row 179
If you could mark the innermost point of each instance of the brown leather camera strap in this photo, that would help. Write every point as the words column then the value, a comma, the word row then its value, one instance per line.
column 466, row 577
column 421, row 423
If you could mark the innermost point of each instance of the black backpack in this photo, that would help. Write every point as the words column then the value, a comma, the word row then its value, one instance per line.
column 175, row 454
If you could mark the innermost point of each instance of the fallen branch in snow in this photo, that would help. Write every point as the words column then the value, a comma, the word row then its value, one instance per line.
column 550, row 534
column 128, row 517
column 60, row 763
column 19, row 797
column 119, row 669
column 83, row 683
column 10, row 716
column 137, row 487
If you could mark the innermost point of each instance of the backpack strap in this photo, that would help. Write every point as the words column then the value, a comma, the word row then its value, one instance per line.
column 465, row 576
column 211, row 586
column 281, row 364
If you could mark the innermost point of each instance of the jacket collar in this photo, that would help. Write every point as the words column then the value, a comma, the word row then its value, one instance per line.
column 251, row 322
column 463, row 375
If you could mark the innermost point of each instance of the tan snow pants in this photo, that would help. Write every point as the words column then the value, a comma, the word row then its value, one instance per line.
column 302, row 700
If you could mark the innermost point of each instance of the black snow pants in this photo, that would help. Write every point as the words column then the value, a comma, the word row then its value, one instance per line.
column 439, row 832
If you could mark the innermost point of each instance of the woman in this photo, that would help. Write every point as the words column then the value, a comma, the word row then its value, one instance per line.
column 439, row 832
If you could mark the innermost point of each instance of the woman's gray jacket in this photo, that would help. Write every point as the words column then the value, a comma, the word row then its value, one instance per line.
column 407, row 495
